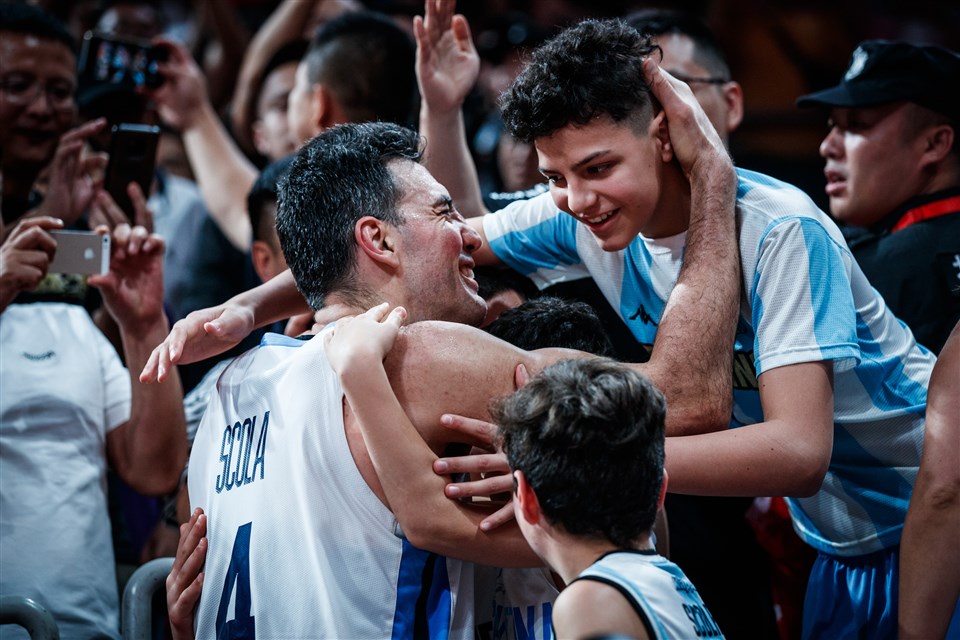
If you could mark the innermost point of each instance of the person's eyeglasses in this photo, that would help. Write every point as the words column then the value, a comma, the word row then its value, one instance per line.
column 23, row 90
column 692, row 80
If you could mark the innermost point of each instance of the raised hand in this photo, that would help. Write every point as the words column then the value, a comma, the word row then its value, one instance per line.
column 106, row 212
column 372, row 334
column 447, row 61
column 184, row 90
column 133, row 288
column 696, row 143
column 202, row 334
column 75, row 176
column 185, row 581
column 25, row 255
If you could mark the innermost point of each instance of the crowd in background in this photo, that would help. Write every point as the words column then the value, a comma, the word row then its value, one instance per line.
column 243, row 85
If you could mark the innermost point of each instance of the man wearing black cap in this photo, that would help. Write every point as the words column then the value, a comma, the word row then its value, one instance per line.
column 893, row 172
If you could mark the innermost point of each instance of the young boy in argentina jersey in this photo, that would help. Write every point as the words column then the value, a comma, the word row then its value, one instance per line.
column 585, row 441
column 829, row 387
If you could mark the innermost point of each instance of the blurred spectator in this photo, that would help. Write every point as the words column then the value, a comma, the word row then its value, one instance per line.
column 893, row 175
column 38, row 79
column 67, row 409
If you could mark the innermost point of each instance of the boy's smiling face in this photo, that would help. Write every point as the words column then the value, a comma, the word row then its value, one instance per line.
column 609, row 176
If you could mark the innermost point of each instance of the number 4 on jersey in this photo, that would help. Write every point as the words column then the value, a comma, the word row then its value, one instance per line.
column 242, row 626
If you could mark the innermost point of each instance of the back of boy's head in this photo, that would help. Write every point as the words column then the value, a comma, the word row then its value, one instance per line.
column 589, row 70
column 588, row 436
column 549, row 321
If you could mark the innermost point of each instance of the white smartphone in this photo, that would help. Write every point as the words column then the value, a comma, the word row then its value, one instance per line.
column 83, row 252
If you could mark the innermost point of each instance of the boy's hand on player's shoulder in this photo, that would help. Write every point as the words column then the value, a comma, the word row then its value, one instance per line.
column 359, row 339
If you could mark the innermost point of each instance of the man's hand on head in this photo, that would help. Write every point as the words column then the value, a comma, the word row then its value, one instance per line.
column 696, row 144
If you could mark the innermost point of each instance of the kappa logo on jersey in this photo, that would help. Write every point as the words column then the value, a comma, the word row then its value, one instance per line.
column 744, row 372
column 644, row 316
column 235, row 449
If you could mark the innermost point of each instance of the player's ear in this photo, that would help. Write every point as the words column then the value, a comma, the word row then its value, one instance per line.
column 375, row 238
column 527, row 499
column 661, row 131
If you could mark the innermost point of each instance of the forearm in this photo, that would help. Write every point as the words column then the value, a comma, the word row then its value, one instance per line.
column 223, row 173
column 930, row 559
column 274, row 300
column 153, row 446
column 284, row 25
column 404, row 463
column 692, row 358
column 765, row 459
column 233, row 38
column 448, row 158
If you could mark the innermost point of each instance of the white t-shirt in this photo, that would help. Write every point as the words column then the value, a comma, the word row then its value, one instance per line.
column 62, row 390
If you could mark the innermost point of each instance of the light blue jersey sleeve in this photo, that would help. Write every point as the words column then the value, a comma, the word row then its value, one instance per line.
column 803, row 308
column 536, row 239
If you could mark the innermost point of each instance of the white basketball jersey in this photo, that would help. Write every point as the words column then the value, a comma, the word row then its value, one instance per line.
column 299, row 546
column 663, row 597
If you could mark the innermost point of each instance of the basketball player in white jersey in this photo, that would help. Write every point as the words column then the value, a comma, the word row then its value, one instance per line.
column 361, row 220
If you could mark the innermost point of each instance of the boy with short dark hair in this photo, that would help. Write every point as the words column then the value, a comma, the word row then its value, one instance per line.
column 585, row 442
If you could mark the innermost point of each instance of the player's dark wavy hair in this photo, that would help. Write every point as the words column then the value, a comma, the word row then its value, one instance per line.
column 589, row 70
column 588, row 436
column 337, row 178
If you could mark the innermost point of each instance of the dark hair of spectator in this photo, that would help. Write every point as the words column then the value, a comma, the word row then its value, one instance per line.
column 707, row 51
column 29, row 19
column 549, row 321
column 588, row 436
column 494, row 280
column 290, row 52
column 367, row 61
column 592, row 69
column 262, row 198
column 337, row 178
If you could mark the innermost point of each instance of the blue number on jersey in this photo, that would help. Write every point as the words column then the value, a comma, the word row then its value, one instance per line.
column 242, row 626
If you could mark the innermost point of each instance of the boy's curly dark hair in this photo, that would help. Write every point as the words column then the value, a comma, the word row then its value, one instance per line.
column 589, row 70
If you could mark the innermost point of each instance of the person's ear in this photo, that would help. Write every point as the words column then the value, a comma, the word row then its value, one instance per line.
column 660, row 129
column 375, row 238
column 259, row 137
column 327, row 111
column 527, row 499
column 938, row 141
column 733, row 97
column 663, row 491
column 261, row 254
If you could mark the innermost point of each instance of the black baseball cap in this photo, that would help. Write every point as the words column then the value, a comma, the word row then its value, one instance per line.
column 881, row 71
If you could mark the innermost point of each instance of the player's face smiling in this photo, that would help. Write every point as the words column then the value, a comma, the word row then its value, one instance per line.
column 609, row 177
column 436, row 251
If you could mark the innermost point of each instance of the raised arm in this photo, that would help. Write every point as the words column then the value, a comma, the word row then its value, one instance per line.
column 447, row 68
column 223, row 173
column 149, row 450
column 929, row 554
column 692, row 359
column 425, row 354
column 284, row 25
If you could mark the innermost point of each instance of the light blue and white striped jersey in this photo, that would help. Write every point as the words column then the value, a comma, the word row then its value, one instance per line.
column 664, row 599
column 804, row 299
